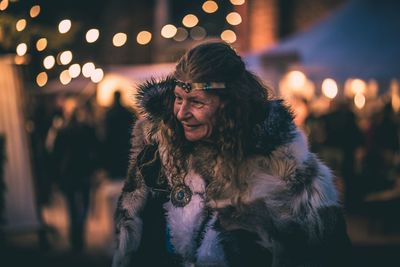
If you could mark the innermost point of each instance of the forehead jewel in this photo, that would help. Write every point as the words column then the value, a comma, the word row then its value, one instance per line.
column 188, row 87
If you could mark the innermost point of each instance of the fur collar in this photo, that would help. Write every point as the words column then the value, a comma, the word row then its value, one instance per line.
column 156, row 100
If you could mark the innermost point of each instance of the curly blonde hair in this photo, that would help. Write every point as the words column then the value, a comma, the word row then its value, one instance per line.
column 232, row 140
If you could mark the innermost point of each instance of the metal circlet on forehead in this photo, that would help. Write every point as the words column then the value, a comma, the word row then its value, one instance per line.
column 188, row 87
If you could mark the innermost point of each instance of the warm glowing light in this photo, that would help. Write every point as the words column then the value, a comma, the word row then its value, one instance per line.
column 34, row 11
column 198, row 33
column 359, row 100
column 41, row 44
column 228, row 36
column 358, row 86
column 64, row 77
column 234, row 18
column 143, row 37
column 87, row 69
column 296, row 79
column 74, row 70
column 119, row 39
column 329, row 88
column 20, row 25
column 48, row 62
column 41, row 79
column 168, row 31
column 19, row 60
column 97, row 75
column 210, row 6
column 237, row 2
column 92, row 35
column 22, row 48
column 395, row 94
column 66, row 57
column 3, row 5
column 190, row 20
column 64, row 26
column 181, row 34
column 372, row 89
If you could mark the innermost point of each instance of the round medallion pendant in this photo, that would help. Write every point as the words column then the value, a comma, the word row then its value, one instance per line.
column 181, row 195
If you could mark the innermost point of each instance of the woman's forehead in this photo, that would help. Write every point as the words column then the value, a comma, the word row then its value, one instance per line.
column 194, row 93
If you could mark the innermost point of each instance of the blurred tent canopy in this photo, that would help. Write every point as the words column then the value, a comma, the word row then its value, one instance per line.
column 359, row 40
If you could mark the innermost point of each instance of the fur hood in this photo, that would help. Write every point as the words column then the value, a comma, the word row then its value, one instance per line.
column 290, row 203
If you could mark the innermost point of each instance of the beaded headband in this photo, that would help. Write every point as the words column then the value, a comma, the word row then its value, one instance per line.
column 188, row 87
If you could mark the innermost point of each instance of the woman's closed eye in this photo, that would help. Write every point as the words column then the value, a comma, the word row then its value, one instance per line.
column 197, row 103
column 178, row 99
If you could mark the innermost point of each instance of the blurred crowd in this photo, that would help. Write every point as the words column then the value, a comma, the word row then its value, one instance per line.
column 77, row 145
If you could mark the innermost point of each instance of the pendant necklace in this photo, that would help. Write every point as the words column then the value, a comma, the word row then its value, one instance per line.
column 181, row 195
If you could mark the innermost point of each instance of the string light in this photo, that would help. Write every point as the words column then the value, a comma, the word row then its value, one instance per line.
column 87, row 69
column 66, row 57
column 143, row 37
column 119, row 39
column 234, row 18
column 41, row 79
column 168, row 31
column 34, row 11
column 92, row 35
column 97, row 75
column 74, row 70
column 228, row 36
column 210, row 6
column 20, row 25
column 3, row 5
column 41, row 44
column 181, row 34
column 190, row 20
column 237, row 2
column 64, row 26
column 22, row 48
column 64, row 77
column 49, row 62
column 198, row 33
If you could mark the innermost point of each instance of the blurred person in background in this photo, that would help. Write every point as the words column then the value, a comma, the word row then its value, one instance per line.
column 74, row 155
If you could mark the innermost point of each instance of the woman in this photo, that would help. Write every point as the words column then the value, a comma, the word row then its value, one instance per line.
column 220, row 176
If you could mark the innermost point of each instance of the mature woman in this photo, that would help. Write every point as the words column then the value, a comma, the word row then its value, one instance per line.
column 220, row 176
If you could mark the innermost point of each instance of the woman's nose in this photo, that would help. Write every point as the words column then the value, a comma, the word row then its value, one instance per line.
column 183, row 111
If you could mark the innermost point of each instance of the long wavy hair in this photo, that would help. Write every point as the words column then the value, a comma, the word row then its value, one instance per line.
column 244, row 106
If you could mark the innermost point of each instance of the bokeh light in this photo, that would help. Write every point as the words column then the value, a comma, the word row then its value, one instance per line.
column 210, row 6
column 234, row 18
column 190, row 20
column 64, row 77
column 181, row 34
column 92, row 35
column 87, row 69
column 64, row 26
column 228, row 36
column 48, row 62
column 74, row 70
column 41, row 44
column 198, row 33
column 329, row 88
column 119, row 39
column 21, row 49
column 20, row 25
column 34, row 11
column 143, row 37
column 168, row 31
column 41, row 79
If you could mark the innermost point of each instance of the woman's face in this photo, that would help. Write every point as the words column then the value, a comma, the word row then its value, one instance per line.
column 196, row 111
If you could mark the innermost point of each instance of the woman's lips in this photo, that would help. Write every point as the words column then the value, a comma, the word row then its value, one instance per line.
column 190, row 126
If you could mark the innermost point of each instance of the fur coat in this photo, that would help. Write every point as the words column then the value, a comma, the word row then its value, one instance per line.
column 288, row 215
